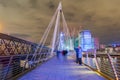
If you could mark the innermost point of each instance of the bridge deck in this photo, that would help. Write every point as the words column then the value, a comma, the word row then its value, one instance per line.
column 59, row 69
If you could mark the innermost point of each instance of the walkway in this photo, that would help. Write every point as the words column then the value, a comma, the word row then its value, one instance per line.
column 58, row 69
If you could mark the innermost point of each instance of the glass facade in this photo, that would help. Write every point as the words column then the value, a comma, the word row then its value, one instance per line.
column 86, row 41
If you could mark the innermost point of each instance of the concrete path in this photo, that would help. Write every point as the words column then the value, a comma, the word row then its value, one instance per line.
column 61, row 69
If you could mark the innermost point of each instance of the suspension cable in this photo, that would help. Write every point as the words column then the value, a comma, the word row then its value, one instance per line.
column 44, row 35
column 56, row 26
column 48, row 32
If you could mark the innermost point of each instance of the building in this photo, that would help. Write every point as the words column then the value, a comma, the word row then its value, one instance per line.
column 85, row 40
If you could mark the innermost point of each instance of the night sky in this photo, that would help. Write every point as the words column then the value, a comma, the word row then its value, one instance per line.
column 28, row 19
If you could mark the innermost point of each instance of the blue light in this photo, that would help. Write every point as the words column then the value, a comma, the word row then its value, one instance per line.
column 61, row 42
column 86, row 40
column 61, row 34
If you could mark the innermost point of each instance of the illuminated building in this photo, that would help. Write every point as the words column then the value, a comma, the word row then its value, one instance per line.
column 61, row 41
column 85, row 40
column 96, row 43
column 76, row 42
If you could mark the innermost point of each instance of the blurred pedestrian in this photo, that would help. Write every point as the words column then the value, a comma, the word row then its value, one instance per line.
column 80, row 56
column 77, row 54
column 58, row 53
column 64, row 53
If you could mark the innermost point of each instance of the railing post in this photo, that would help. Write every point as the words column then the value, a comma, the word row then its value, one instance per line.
column 8, row 67
column 25, row 62
column 115, row 73
column 96, row 62
column 87, row 58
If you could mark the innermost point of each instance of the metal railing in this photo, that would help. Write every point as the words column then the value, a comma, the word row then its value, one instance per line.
column 107, row 64
column 17, row 56
column 13, row 46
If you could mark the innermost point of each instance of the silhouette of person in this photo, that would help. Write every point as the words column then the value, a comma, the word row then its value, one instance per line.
column 80, row 56
column 77, row 54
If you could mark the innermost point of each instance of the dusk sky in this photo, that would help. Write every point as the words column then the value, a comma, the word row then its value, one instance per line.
column 28, row 19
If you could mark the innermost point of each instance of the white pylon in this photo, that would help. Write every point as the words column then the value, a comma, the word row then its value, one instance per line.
column 56, row 27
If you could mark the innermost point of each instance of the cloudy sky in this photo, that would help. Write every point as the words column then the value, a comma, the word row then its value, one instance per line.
column 28, row 19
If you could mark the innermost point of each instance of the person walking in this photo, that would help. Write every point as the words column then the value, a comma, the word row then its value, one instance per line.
column 80, row 56
column 64, row 52
column 77, row 54
column 58, row 53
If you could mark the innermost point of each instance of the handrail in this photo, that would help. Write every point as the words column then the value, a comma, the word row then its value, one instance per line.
column 16, row 54
column 113, row 67
column 11, row 38
column 108, row 64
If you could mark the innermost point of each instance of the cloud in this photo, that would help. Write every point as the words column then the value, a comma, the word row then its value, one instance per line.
column 31, row 17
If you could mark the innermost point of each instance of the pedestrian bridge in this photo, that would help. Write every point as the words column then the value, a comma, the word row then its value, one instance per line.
column 19, row 62
column 60, row 69
column 24, row 60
